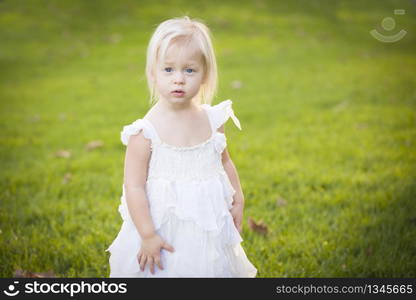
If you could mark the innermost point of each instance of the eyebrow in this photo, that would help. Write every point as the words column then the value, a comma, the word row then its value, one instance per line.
column 191, row 63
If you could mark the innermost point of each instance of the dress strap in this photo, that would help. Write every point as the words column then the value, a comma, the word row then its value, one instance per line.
column 220, row 113
column 152, row 129
column 206, row 108
column 137, row 126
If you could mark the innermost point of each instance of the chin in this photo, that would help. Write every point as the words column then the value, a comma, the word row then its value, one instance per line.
column 178, row 100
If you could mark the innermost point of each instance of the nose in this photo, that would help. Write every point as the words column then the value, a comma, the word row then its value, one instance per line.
column 179, row 78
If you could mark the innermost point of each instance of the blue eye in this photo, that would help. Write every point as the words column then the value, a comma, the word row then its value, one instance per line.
column 190, row 70
column 168, row 69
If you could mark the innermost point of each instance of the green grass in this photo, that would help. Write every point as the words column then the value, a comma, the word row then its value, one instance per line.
column 328, row 116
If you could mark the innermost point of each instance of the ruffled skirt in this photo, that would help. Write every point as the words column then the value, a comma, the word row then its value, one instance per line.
column 194, row 218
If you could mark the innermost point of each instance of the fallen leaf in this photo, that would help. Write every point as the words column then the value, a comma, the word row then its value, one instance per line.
column 280, row 201
column 94, row 144
column 258, row 227
column 63, row 153
column 67, row 178
column 236, row 84
column 28, row 274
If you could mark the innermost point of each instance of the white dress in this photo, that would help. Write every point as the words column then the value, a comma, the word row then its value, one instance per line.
column 190, row 196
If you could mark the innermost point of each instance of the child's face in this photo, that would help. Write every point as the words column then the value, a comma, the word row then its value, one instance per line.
column 182, row 69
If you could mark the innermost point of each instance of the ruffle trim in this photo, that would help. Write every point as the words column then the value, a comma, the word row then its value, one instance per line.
column 164, row 195
column 220, row 142
column 221, row 112
column 135, row 128
column 206, row 240
column 197, row 253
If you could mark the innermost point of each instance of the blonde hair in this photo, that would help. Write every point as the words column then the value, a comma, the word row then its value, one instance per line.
column 188, row 29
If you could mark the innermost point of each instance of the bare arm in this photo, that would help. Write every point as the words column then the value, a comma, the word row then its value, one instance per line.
column 135, row 175
column 232, row 173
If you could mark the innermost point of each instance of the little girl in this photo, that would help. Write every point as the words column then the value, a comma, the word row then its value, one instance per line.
column 182, row 203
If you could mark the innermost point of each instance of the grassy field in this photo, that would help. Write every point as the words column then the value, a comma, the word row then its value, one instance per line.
column 326, row 156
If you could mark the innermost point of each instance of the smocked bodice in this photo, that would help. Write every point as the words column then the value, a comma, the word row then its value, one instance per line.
column 187, row 163
column 197, row 162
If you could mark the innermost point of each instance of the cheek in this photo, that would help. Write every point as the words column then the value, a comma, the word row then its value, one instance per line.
column 194, row 83
column 162, row 80
column 197, row 79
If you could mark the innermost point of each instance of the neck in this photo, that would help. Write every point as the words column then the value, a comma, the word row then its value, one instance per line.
column 176, row 108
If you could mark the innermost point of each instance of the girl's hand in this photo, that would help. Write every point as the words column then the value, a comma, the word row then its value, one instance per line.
column 150, row 252
column 237, row 213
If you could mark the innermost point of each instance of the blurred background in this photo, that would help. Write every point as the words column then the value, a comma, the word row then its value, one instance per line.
column 325, row 92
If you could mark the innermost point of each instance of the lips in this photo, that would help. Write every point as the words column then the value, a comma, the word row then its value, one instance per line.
column 178, row 93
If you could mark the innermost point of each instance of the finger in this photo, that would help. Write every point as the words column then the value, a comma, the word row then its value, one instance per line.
column 139, row 255
column 151, row 265
column 158, row 262
column 143, row 262
column 168, row 247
